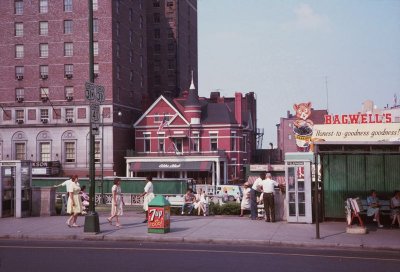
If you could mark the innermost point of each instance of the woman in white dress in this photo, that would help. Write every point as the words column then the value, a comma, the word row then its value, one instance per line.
column 245, row 205
column 201, row 202
column 74, row 204
column 148, row 196
column 116, row 202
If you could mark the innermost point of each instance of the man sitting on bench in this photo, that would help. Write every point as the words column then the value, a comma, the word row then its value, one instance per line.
column 189, row 199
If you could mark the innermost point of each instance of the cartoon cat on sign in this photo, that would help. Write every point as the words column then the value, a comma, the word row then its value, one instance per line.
column 303, row 126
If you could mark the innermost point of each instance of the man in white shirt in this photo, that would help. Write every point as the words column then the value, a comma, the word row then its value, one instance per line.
column 253, row 195
column 268, row 188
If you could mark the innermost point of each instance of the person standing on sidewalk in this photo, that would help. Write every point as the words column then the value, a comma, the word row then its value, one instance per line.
column 74, row 205
column 116, row 202
column 268, row 186
column 255, row 188
column 245, row 204
column 148, row 196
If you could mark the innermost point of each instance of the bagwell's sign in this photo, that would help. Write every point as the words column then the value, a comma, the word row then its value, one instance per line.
column 357, row 127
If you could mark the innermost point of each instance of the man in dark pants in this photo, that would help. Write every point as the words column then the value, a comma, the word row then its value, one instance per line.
column 253, row 195
column 268, row 186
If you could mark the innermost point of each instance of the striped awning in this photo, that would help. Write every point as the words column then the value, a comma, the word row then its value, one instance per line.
column 170, row 166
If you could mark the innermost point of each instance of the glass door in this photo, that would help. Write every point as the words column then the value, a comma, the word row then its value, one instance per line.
column 7, row 191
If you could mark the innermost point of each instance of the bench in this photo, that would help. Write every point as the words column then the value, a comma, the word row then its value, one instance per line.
column 178, row 201
column 363, row 208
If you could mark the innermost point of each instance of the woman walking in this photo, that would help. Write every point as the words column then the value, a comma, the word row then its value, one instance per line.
column 148, row 196
column 116, row 202
column 74, row 204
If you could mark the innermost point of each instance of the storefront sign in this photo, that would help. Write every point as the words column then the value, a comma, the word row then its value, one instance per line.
column 359, row 118
column 357, row 132
column 258, row 167
column 170, row 165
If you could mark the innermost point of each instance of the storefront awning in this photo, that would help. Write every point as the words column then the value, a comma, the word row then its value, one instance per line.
column 169, row 166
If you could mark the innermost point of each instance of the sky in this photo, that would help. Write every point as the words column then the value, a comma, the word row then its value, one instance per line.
column 334, row 53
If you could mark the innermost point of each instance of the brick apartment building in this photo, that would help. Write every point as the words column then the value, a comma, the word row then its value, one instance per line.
column 207, row 139
column 44, row 50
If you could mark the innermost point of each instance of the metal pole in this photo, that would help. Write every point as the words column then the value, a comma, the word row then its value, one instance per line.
column 316, row 202
column 92, row 218
column 102, row 157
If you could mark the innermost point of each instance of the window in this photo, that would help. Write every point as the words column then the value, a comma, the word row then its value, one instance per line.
column 97, row 152
column 131, row 76
column 178, row 145
column 67, row 5
column 20, row 151
column 69, row 92
column 141, row 81
column 141, row 61
column 44, row 113
column 131, row 56
column 171, row 64
column 44, row 93
column 170, row 4
column 130, row 15
column 157, row 79
column 19, row 51
column 19, row 116
column 161, row 144
column 96, row 69
column 44, row 151
column 95, row 25
column 19, row 93
column 171, row 47
column 95, row 4
column 130, row 36
column 117, row 28
column 157, row 33
column 69, row 149
column 156, row 65
column 196, row 142
column 171, row 80
column 68, row 26
column 156, row 18
column 43, row 28
column 245, row 139
column 117, row 4
column 68, row 49
column 19, row 7
column 141, row 42
column 19, row 72
column 156, row 3
column 141, row 22
column 146, row 142
column 233, row 141
column 118, row 72
column 117, row 50
column 69, row 115
column 213, row 141
column 170, row 34
column 19, row 29
column 44, row 50
column 44, row 71
column 69, row 70
column 96, row 48
column 43, row 6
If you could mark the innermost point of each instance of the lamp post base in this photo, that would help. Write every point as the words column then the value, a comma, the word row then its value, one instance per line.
column 92, row 223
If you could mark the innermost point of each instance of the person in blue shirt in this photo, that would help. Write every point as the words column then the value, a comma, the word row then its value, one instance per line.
column 374, row 208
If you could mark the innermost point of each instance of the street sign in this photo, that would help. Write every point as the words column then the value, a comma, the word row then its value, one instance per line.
column 94, row 113
column 94, row 92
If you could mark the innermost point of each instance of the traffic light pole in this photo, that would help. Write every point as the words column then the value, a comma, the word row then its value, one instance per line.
column 92, row 218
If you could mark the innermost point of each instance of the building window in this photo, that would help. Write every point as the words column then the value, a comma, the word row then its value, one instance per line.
column 19, row 116
column 233, row 141
column 157, row 33
column 141, row 42
column 245, row 139
column 117, row 50
column 69, row 115
column 161, row 144
column 170, row 4
column 19, row 51
column 95, row 4
column 67, row 5
column 69, row 149
column 141, row 22
column 43, row 6
column 44, row 113
column 118, row 72
column 68, row 26
column 20, row 151
column 19, row 29
column 68, row 49
column 43, row 28
column 130, row 15
column 196, row 142
column 131, row 56
column 117, row 28
column 44, row 71
column 96, row 69
column 97, row 152
column 156, row 65
column 117, row 5
column 19, row 7
column 69, row 92
column 213, row 141
column 95, row 25
column 19, row 94
column 44, row 50
column 171, row 47
column 141, row 81
column 131, row 76
column 178, row 145
column 156, row 3
column 170, row 34
column 171, row 64
column 96, row 48
column 69, row 70
column 44, row 93
column 44, row 151
column 130, row 36
column 19, row 72
column 141, row 61
column 146, row 142
column 156, row 18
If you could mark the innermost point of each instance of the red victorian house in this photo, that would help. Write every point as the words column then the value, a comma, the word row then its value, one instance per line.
column 207, row 139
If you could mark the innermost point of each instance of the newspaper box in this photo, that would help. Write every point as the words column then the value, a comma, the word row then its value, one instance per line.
column 159, row 214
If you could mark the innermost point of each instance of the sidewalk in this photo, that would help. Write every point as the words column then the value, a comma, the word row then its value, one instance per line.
column 199, row 229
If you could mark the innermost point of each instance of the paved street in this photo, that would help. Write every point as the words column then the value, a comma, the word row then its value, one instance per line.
column 137, row 256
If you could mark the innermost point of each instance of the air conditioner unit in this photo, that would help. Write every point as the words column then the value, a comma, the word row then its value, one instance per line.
column 44, row 120
column 20, row 121
column 43, row 76
column 96, row 74
column 19, row 76
column 68, row 76
column 69, row 97
column 20, row 99
column 69, row 120
column 44, row 98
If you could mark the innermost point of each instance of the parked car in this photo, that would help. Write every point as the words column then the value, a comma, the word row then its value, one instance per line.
column 233, row 193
